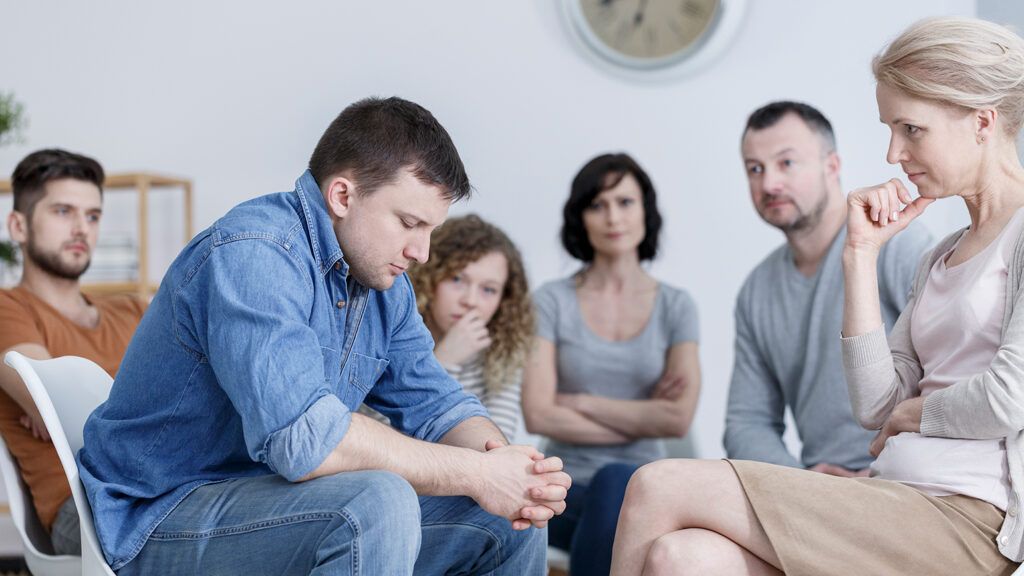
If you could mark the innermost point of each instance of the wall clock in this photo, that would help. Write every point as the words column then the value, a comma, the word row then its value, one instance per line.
column 653, row 38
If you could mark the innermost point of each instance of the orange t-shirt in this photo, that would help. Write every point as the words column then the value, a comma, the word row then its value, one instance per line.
column 26, row 319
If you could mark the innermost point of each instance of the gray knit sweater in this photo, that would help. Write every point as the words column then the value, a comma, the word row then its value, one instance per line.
column 989, row 405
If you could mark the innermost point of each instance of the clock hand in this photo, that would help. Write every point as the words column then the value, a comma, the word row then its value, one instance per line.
column 638, row 19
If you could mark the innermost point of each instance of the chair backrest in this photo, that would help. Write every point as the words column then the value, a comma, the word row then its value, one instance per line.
column 36, row 542
column 66, row 390
column 23, row 514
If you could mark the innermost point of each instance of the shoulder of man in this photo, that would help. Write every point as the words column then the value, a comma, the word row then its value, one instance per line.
column 20, row 318
column 15, row 297
column 22, row 302
column 271, row 217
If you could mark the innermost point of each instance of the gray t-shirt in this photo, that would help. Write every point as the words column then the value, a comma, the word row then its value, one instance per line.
column 787, row 354
column 627, row 370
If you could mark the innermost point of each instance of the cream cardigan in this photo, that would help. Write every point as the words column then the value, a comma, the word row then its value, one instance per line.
column 989, row 405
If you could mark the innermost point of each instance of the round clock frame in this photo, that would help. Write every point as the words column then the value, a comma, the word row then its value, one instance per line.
column 710, row 43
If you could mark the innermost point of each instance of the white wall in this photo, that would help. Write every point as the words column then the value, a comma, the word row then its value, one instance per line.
column 235, row 95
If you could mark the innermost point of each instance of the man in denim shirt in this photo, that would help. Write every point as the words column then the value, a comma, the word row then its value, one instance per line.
column 230, row 442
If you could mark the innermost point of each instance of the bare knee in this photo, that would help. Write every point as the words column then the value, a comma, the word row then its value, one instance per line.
column 667, row 556
column 666, row 484
column 656, row 480
column 690, row 551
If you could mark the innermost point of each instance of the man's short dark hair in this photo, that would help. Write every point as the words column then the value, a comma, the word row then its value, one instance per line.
column 768, row 115
column 35, row 170
column 375, row 138
column 600, row 174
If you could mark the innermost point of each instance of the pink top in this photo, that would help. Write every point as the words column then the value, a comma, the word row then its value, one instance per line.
column 956, row 328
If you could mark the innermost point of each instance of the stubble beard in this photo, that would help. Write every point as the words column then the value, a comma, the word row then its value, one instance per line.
column 809, row 221
column 51, row 262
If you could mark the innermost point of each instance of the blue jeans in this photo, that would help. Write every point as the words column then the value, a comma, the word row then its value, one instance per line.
column 356, row 523
column 587, row 527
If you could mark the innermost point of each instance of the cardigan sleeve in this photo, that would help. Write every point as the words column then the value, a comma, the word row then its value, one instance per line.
column 882, row 373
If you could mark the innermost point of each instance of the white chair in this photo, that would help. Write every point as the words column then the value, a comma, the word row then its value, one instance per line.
column 38, row 550
column 66, row 390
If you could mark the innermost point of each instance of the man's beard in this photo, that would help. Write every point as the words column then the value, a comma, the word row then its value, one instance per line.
column 51, row 263
column 809, row 221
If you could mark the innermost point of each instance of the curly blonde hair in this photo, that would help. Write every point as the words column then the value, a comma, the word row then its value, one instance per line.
column 458, row 243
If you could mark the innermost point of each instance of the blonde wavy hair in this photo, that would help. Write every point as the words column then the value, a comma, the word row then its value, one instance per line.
column 963, row 62
column 458, row 243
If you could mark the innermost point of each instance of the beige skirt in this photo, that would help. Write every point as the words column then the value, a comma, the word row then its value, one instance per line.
column 821, row 525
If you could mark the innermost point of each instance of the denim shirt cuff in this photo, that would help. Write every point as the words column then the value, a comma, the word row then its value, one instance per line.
column 296, row 450
column 434, row 430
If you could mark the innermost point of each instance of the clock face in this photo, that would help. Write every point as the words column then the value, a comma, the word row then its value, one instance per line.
column 646, row 33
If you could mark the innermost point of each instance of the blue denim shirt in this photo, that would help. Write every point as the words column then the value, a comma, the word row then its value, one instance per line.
column 250, row 361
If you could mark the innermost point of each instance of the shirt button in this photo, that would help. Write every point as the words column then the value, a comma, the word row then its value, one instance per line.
column 337, row 265
column 1003, row 540
column 341, row 303
column 1012, row 511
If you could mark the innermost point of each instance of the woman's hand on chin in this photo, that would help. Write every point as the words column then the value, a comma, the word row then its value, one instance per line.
column 877, row 213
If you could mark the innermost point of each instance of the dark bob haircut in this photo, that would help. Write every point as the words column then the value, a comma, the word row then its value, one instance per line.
column 375, row 138
column 600, row 174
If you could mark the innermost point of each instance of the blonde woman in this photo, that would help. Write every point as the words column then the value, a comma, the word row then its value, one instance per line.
column 946, row 390
column 474, row 298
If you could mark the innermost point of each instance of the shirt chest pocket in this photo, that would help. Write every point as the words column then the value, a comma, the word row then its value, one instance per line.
column 361, row 373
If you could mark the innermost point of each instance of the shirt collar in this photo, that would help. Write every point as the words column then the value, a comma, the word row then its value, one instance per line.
column 326, row 250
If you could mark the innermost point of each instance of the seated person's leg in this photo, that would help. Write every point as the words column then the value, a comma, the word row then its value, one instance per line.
column 562, row 527
column 458, row 533
column 65, row 533
column 670, row 497
column 591, row 551
column 266, row 525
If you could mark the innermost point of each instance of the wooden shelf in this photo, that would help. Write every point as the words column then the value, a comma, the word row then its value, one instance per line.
column 141, row 183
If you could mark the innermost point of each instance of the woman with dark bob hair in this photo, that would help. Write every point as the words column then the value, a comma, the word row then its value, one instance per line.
column 614, row 366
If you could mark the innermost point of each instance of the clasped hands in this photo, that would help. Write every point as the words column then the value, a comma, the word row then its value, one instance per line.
column 525, row 487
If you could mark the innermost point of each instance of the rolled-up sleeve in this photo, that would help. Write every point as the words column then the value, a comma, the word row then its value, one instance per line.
column 267, row 359
column 297, row 449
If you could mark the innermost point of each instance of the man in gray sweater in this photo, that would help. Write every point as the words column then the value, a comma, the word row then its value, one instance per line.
column 790, row 309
